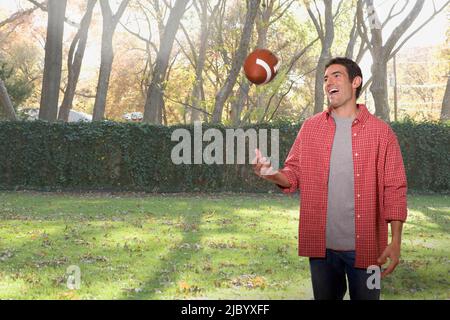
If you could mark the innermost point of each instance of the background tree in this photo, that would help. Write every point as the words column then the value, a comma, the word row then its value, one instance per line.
column 445, row 111
column 325, row 31
column 14, row 90
column 445, row 108
column 269, row 12
column 200, row 62
column 382, row 52
column 74, row 61
column 206, row 17
column 5, row 103
column 20, row 67
column 236, row 63
column 110, row 22
column 53, row 60
column 154, row 103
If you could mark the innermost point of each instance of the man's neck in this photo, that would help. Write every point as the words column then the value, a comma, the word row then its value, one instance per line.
column 346, row 111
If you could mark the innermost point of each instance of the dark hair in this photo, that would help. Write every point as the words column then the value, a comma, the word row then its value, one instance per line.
column 352, row 67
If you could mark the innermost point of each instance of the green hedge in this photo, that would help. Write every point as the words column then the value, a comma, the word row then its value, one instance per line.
column 136, row 157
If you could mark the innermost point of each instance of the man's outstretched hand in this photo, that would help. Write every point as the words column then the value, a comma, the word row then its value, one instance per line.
column 263, row 169
column 262, row 166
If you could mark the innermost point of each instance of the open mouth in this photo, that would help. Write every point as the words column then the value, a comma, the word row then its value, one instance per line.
column 333, row 92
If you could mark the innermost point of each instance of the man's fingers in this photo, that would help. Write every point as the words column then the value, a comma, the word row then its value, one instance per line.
column 257, row 156
column 268, row 171
column 257, row 168
column 383, row 258
column 262, row 165
column 389, row 269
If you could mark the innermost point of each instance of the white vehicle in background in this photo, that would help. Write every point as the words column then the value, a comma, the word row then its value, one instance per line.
column 134, row 116
column 74, row 116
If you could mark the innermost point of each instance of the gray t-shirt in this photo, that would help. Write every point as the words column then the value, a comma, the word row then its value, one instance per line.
column 340, row 234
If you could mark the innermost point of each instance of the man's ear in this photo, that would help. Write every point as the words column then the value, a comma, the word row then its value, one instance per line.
column 356, row 82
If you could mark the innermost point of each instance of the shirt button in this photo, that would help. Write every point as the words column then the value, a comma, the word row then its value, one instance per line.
column 359, row 216
column 354, row 134
column 358, row 195
column 357, row 174
column 357, row 236
column 356, row 154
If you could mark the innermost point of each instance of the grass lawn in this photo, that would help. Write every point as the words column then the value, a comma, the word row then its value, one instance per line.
column 135, row 246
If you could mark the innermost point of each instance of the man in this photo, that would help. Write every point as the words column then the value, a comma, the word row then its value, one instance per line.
column 348, row 167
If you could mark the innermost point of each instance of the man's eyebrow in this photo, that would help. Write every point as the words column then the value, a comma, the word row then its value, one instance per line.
column 336, row 72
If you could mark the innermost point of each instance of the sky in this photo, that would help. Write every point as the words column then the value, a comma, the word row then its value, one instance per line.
column 432, row 34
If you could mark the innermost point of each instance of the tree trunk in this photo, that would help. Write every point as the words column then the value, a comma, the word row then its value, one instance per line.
column 380, row 55
column 262, row 27
column 326, row 37
column 238, row 60
column 197, row 90
column 238, row 106
column 379, row 90
column 53, row 60
column 75, row 60
column 445, row 111
column 110, row 22
column 197, row 96
column 107, row 58
column 155, row 95
column 319, row 98
column 352, row 40
column 5, row 102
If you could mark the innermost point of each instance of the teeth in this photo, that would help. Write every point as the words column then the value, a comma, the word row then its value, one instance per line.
column 333, row 90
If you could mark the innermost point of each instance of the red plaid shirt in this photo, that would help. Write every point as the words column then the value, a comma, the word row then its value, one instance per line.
column 379, row 177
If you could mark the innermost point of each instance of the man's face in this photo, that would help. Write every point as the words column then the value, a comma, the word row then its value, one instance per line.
column 338, row 87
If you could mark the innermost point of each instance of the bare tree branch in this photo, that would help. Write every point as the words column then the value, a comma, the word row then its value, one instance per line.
column 362, row 28
column 137, row 35
column 401, row 29
column 390, row 16
column 319, row 29
column 187, row 105
column 418, row 29
column 43, row 7
column 277, row 17
column 280, row 100
column 300, row 54
column 17, row 15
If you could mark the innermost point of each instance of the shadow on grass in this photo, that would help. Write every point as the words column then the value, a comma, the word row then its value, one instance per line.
column 192, row 212
column 436, row 213
column 178, row 256
column 186, row 211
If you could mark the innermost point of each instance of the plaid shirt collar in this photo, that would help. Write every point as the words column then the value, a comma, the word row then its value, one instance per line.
column 361, row 117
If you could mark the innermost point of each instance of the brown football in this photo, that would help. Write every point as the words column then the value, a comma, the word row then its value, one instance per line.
column 261, row 66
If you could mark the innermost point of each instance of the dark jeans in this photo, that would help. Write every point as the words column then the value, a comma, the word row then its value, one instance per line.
column 328, row 277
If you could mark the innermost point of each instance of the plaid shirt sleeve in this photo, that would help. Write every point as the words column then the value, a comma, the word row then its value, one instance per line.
column 395, row 185
column 291, row 167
